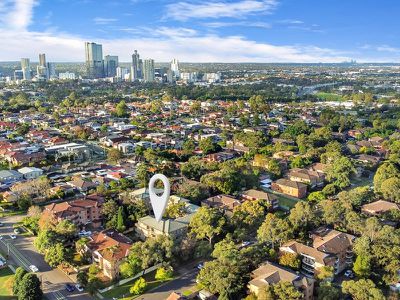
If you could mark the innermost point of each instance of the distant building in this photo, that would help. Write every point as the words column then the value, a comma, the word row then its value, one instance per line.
column 51, row 69
column 26, row 68
column 175, row 68
column 110, row 65
column 121, row 73
column 41, row 69
column 188, row 77
column 148, row 70
column 94, row 60
column 135, row 68
column 67, row 76
column 18, row 75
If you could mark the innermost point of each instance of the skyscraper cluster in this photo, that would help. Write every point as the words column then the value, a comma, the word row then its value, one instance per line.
column 44, row 70
column 140, row 70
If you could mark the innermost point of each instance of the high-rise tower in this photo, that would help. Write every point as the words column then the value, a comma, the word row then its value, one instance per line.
column 94, row 60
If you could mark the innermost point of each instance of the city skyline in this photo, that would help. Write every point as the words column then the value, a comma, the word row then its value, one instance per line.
column 218, row 31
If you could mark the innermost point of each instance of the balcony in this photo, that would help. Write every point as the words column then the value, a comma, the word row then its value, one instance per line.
column 308, row 269
column 308, row 262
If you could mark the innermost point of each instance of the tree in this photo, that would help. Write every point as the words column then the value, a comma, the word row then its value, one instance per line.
column 325, row 272
column 45, row 239
column 326, row 291
column 207, row 223
column 145, row 254
column 188, row 146
column 362, row 266
column 66, row 228
column 139, row 286
column 164, row 273
column 56, row 255
column 301, row 215
column 19, row 274
column 121, row 110
column 316, row 196
column 384, row 172
column 114, row 155
column 34, row 211
column 390, row 189
column 291, row 260
column 248, row 216
column 284, row 290
column 175, row 210
column 300, row 162
column 29, row 288
column 362, row 289
column 207, row 146
column 274, row 230
column 221, row 277
column 82, row 278
column 339, row 172
column 121, row 219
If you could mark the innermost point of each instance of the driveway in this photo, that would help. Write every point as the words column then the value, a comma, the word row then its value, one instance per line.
column 22, row 253
column 185, row 282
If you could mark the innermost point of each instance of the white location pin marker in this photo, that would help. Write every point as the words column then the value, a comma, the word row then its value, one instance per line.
column 159, row 203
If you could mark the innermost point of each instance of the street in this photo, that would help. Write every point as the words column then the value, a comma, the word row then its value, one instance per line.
column 179, row 285
column 23, row 253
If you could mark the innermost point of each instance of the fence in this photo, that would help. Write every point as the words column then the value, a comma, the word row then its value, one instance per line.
column 123, row 281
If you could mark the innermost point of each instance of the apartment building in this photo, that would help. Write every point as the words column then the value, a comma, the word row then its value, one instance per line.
column 269, row 274
column 336, row 243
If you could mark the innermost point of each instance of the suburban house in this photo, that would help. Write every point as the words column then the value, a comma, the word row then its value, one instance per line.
column 270, row 198
column 175, row 228
column 10, row 176
column 379, row 207
column 225, row 203
column 336, row 243
column 126, row 148
column 82, row 185
column 312, row 178
column 269, row 274
column 24, row 158
column 31, row 172
column 109, row 248
column 311, row 258
column 81, row 212
column 291, row 188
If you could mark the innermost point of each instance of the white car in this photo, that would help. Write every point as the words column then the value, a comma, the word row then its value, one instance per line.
column 12, row 236
column 79, row 287
column 33, row 268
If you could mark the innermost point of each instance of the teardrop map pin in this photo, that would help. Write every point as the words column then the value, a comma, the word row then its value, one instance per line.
column 159, row 203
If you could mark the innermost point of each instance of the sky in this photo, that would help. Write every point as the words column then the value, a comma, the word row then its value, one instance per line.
column 265, row 31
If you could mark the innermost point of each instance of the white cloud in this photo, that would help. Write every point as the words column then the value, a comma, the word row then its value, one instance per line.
column 183, row 11
column 239, row 23
column 386, row 48
column 104, row 21
column 17, row 14
column 164, row 44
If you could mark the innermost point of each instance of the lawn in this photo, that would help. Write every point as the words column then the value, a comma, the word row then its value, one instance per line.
column 329, row 96
column 122, row 292
column 286, row 202
column 6, row 276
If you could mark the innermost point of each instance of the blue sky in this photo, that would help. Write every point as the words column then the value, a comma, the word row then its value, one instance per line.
column 204, row 31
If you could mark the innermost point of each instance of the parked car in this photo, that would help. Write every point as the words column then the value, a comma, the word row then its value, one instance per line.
column 12, row 236
column 1, row 224
column 200, row 266
column 33, row 268
column 84, row 233
column 69, row 287
column 246, row 243
column 79, row 287
column 349, row 274
column 17, row 231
